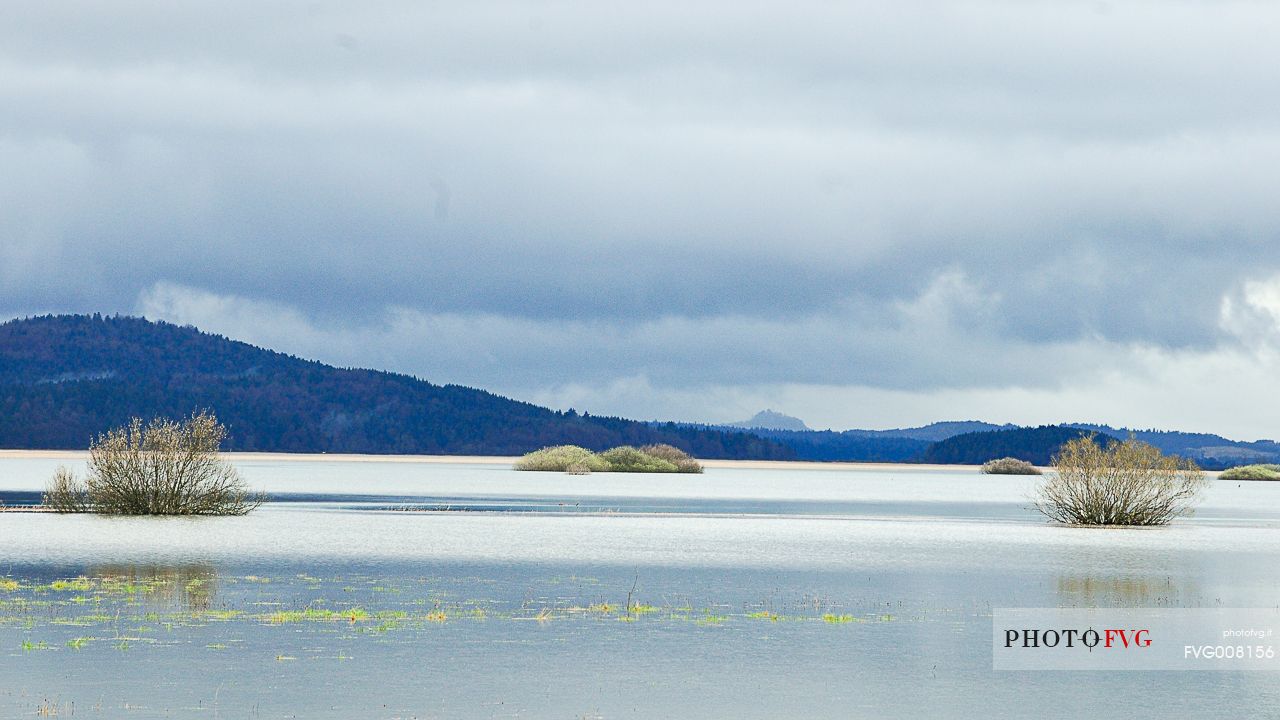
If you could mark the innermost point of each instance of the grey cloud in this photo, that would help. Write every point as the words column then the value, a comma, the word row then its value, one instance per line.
column 770, row 193
column 940, row 339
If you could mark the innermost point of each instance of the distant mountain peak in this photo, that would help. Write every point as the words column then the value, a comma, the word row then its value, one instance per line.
column 771, row 420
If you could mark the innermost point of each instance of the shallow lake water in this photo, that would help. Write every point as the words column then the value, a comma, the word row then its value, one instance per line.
column 405, row 589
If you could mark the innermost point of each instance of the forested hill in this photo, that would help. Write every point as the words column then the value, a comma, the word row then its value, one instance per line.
column 1210, row 451
column 1035, row 445
column 64, row 379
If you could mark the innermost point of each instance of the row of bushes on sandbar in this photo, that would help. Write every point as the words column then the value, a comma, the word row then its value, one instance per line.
column 580, row 461
column 1252, row 472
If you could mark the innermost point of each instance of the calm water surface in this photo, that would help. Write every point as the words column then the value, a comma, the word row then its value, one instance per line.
column 394, row 589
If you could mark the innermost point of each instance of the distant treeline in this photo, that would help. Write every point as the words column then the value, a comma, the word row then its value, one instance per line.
column 828, row 446
column 973, row 443
column 1036, row 445
column 64, row 379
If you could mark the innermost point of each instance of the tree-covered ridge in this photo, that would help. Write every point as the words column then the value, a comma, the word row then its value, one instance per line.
column 1208, row 450
column 1036, row 445
column 988, row 442
column 65, row 379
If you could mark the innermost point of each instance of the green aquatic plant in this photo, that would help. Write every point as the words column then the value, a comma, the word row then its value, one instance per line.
column 833, row 619
column 218, row 615
column 313, row 614
column 80, row 584
column 77, row 643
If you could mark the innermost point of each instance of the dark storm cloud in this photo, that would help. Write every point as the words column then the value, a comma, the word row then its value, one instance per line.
column 843, row 193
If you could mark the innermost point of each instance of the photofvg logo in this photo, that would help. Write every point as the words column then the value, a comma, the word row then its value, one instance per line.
column 1135, row 639
column 1108, row 639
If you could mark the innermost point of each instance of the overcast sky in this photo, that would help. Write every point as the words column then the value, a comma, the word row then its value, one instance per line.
column 863, row 214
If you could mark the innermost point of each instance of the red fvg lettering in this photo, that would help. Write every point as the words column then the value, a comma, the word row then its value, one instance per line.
column 1139, row 638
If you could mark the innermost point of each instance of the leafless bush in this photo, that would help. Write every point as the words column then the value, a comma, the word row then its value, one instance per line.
column 66, row 493
column 1125, row 483
column 161, row 468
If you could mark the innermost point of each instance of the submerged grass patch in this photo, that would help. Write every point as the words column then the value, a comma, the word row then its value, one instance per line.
column 313, row 614
column 80, row 584
column 133, row 614
column 219, row 615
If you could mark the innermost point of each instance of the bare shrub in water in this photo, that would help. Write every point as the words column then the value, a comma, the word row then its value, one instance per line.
column 66, row 493
column 161, row 468
column 1125, row 483
column 1009, row 466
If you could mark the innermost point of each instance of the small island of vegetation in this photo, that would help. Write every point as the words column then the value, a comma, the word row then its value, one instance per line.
column 1252, row 472
column 1009, row 466
column 576, row 460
